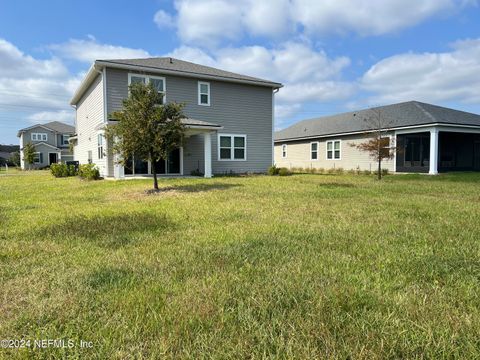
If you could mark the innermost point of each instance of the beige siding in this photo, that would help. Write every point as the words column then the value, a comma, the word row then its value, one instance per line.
column 90, row 115
column 298, row 155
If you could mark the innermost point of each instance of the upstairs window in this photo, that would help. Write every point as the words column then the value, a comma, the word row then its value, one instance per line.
column 65, row 139
column 232, row 147
column 203, row 93
column 284, row 151
column 157, row 82
column 100, row 146
column 314, row 151
column 39, row 137
column 334, row 150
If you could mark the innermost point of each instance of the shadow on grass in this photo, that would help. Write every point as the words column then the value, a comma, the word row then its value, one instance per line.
column 196, row 188
column 333, row 185
column 106, row 231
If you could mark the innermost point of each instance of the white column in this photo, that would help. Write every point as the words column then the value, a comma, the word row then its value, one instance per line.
column 433, row 152
column 207, row 143
column 118, row 169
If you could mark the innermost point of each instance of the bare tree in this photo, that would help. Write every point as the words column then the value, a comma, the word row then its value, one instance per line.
column 378, row 144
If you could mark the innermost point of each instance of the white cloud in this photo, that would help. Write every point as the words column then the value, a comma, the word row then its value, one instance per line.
column 431, row 77
column 66, row 116
column 206, row 23
column 163, row 19
column 89, row 50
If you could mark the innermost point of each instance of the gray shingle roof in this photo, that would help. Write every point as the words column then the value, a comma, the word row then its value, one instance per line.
column 405, row 114
column 194, row 122
column 53, row 125
column 185, row 67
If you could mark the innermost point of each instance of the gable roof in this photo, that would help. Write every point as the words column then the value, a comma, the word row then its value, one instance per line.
column 406, row 114
column 168, row 65
column 55, row 126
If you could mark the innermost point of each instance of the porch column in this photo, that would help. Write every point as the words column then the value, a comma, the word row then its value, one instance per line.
column 433, row 152
column 207, row 143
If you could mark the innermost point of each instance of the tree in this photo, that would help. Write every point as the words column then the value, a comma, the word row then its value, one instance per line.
column 29, row 154
column 144, row 128
column 378, row 144
column 15, row 158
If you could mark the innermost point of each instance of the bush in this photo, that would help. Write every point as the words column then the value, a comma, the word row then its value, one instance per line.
column 89, row 172
column 367, row 172
column 196, row 172
column 273, row 170
column 62, row 170
column 284, row 172
column 339, row 170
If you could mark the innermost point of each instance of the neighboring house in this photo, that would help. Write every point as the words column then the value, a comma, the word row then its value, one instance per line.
column 229, row 117
column 50, row 141
column 428, row 139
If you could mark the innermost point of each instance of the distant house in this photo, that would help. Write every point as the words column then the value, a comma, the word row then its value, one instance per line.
column 6, row 153
column 428, row 139
column 229, row 124
column 51, row 141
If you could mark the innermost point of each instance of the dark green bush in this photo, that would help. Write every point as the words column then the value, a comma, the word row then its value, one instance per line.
column 284, row 172
column 273, row 170
column 62, row 170
column 196, row 172
column 89, row 172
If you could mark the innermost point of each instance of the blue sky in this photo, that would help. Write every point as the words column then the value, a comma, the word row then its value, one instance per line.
column 332, row 55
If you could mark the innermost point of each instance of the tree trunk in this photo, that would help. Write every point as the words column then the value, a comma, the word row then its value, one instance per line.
column 379, row 168
column 154, row 172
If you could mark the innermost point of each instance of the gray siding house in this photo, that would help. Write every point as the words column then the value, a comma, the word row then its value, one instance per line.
column 229, row 117
column 51, row 142
column 427, row 138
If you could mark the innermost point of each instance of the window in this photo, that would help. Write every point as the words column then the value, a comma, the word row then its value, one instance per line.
column 232, row 147
column 203, row 93
column 157, row 82
column 314, row 151
column 38, row 158
column 39, row 137
column 100, row 146
column 65, row 139
column 333, row 150
column 284, row 151
column 89, row 156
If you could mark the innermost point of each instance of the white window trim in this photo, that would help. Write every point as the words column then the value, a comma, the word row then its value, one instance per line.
column 286, row 151
column 63, row 139
column 100, row 146
column 147, row 80
column 232, row 147
column 39, row 136
column 39, row 159
column 200, row 83
column 333, row 150
column 317, row 151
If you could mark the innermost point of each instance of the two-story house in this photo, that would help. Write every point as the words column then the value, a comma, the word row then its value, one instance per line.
column 50, row 141
column 229, row 117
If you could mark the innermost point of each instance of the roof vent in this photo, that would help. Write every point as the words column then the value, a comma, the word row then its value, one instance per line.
column 171, row 61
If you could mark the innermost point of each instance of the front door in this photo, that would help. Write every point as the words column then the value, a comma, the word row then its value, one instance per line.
column 52, row 158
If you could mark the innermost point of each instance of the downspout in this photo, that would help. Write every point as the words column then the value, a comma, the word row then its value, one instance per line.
column 273, row 124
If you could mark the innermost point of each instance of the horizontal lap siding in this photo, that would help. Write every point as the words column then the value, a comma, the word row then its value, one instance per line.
column 90, row 114
column 240, row 109
column 298, row 155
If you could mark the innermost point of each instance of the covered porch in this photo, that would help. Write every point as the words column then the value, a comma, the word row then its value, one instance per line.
column 178, row 162
column 437, row 149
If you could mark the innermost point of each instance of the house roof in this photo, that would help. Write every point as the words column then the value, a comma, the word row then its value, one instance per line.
column 55, row 126
column 199, row 123
column 406, row 114
column 168, row 65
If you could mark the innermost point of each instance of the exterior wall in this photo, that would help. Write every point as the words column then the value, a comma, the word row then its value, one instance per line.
column 298, row 155
column 89, row 116
column 240, row 109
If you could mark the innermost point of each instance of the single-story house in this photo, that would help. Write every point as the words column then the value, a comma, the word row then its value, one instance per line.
column 427, row 139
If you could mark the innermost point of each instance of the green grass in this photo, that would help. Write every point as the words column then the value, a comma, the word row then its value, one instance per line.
column 306, row 266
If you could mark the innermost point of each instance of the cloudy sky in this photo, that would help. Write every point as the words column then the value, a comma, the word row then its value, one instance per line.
column 332, row 55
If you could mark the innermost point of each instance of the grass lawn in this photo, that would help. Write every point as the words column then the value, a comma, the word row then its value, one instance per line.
column 307, row 266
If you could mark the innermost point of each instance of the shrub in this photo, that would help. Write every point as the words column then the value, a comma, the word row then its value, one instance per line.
column 284, row 172
column 62, row 170
column 339, row 170
column 196, row 172
column 89, row 172
column 352, row 172
column 273, row 170
column 331, row 171
column 367, row 172
column 384, row 172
